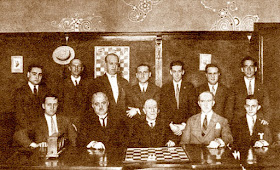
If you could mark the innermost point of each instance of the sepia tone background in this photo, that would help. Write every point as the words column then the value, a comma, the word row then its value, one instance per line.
column 184, row 28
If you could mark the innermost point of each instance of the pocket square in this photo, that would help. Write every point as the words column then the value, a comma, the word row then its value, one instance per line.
column 218, row 126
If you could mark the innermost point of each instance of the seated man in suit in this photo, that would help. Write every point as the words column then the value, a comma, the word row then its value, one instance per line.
column 48, row 124
column 251, row 131
column 143, row 90
column 150, row 133
column 207, row 127
column 99, row 130
column 223, row 98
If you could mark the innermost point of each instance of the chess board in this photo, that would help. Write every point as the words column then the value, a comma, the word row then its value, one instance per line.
column 99, row 59
column 163, row 154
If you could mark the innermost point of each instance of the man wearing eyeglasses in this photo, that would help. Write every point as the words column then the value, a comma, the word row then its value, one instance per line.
column 221, row 92
column 207, row 127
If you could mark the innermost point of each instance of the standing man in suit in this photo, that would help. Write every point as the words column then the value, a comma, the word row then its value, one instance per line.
column 100, row 129
column 115, row 87
column 249, row 85
column 221, row 92
column 207, row 127
column 178, row 101
column 151, row 132
column 48, row 124
column 29, row 97
column 143, row 90
column 75, row 93
column 251, row 131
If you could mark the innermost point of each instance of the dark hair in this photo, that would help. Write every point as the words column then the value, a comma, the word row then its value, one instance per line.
column 211, row 65
column 49, row 95
column 176, row 63
column 145, row 65
column 248, row 58
column 111, row 54
column 34, row 66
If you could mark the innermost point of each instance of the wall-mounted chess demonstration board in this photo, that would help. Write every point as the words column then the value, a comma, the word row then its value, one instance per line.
column 163, row 154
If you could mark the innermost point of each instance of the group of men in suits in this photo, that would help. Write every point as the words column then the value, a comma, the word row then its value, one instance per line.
column 120, row 114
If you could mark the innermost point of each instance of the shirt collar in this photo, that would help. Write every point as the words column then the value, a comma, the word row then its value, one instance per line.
column 209, row 115
column 32, row 86
column 74, row 78
column 150, row 121
column 177, row 83
column 215, row 85
column 102, row 116
column 49, row 117
column 145, row 85
column 111, row 76
column 246, row 78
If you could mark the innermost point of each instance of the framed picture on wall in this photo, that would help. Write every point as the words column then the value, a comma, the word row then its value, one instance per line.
column 204, row 59
column 17, row 64
column 100, row 52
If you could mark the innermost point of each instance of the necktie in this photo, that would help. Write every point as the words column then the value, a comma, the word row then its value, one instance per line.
column 252, row 125
column 250, row 92
column 213, row 90
column 103, row 121
column 76, row 83
column 35, row 90
column 177, row 95
column 53, row 130
column 204, row 126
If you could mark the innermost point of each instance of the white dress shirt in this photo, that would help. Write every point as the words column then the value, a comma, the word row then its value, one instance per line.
column 143, row 86
column 114, row 85
column 247, row 81
column 48, row 118
column 101, row 117
column 74, row 80
column 151, row 123
column 251, row 120
column 211, row 87
column 209, row 116
column 32, row 87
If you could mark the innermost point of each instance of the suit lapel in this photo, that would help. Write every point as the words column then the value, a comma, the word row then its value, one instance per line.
column 197, row 125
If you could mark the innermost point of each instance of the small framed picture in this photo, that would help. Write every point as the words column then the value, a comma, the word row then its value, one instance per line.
column 17, row 64
column 204, row 59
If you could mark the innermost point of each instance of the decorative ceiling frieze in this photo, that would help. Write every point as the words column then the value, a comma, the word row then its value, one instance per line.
column 227, row 20
column 140, row 9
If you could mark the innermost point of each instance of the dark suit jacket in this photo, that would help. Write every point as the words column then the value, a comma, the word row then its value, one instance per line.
column 240, row 93
column 28, row 107
column 223, row 100
column 75, row 100
column 168, row 105
column 139, row 98
column 145, row 136
column 193, row 130
column 91, row 130
column 39, row 130
column 242, row 136
column 102, row 84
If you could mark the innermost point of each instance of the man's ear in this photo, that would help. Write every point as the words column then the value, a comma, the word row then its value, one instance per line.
column 43, row 106
column 242, row 69
column 69, row 68
column 144, row 110
column 28, row 74
column 183, row 72
column 150, row 74
column 170, row 71
column 259, row 107
column 256, row 69
column 213, row 103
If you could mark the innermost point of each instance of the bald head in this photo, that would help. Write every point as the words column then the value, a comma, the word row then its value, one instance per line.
column 76, row 67
column 151, row 109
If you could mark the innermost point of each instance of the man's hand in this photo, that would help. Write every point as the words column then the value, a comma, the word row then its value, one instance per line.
column 218, row 142
column 264, row 122
column 43, row 144
column 96, row 145
column 261, row 143
column 170, row 143
column 176, row 128
column 33, row 145
column 132, row 112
